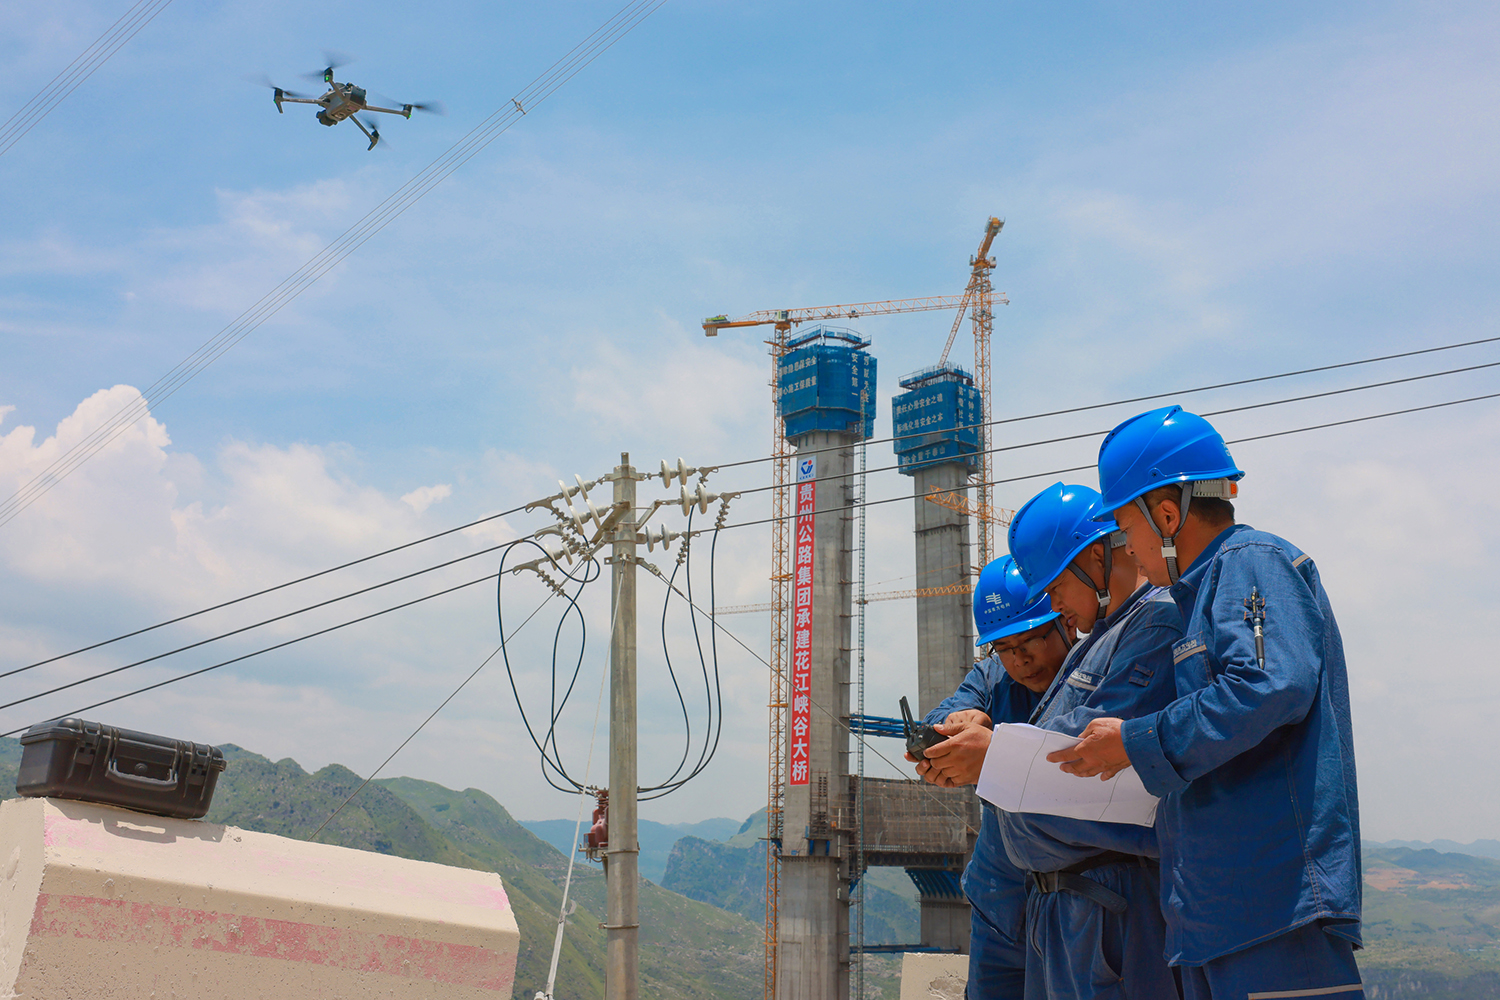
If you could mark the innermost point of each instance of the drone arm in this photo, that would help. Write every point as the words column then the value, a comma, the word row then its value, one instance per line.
column 389, row 111
column 373, row 136
column 296, row 100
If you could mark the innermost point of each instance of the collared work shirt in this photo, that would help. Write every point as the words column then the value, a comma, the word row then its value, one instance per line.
column 1123, row 669
column 1259, row 820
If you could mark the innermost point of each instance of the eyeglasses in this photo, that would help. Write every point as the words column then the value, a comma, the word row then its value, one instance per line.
column 1031, row 645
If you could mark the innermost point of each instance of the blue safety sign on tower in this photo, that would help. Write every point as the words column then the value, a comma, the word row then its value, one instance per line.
column 826, row 382
column 936, row 420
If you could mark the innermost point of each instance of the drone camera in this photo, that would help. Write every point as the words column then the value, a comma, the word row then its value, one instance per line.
column 918, row 736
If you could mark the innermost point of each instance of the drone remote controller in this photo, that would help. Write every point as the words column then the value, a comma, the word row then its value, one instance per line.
column 918, row 737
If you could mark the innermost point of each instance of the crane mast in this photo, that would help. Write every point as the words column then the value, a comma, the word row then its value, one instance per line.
column 781, row 321
column 979, row 302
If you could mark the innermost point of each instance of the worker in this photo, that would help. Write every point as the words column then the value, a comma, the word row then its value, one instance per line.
column 1027, row 643
column 1094, row 923
column 1254, row 759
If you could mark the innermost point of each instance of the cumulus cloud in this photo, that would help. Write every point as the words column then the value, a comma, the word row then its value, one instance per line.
column 425, row 496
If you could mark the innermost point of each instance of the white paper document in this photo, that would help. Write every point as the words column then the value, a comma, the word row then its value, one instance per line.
column 1017, row 777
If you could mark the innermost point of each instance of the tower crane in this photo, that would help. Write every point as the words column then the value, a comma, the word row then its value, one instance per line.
column 978, row 301
column 781, row 321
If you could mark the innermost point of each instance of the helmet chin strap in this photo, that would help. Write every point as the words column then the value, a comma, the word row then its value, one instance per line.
column 1169, row 542
column 1063, row 633
column 1100, row 589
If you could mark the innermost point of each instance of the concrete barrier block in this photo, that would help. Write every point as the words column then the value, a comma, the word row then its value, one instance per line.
column 929, row 975
column 107, row 904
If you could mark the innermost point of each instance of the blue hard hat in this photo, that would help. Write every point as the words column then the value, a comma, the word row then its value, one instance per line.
column 1050, row 530
column 1001, row 607
column 1167, row 445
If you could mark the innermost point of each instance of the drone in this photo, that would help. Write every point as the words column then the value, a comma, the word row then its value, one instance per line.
column 344, row 101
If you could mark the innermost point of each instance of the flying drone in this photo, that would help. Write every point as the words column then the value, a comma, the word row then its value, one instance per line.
column 344, row 101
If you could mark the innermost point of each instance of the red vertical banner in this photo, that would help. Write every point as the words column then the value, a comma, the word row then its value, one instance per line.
column 802, row 604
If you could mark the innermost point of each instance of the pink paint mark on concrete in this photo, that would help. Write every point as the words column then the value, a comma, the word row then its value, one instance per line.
column 147, row 924
column 117, row 835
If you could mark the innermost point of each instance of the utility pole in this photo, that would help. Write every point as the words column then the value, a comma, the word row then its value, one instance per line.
column 622, row 855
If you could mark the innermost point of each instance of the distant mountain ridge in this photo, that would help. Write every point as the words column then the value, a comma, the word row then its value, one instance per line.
column 656, row 839
column 1476, row 849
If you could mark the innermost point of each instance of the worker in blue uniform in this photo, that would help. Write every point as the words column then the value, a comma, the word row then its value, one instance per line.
column 1027, row 643
column 1093, row 917
column 1254, row 759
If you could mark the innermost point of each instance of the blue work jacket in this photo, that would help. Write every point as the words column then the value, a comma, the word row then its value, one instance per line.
column 995, row 887
column 1122, row 670
column 1259, row 820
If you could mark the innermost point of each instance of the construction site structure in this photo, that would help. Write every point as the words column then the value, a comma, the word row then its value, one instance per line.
column 782, row 321
column 979, row 300
column 826, row 389
column 935, row 420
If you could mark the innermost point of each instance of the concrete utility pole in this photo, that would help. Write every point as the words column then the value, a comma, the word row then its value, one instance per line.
column 622, row 854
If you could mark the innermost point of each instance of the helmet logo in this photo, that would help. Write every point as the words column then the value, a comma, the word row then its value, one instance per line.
column 997, row 600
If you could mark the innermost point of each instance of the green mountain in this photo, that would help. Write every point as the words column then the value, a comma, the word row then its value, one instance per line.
column 655, row 839
column 1432, row 925
column 732, row 876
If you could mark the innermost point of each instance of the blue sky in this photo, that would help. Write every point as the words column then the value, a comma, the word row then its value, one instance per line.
column 1192, row 193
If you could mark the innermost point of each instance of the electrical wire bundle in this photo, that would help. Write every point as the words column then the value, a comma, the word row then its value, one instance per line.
column 564, row 679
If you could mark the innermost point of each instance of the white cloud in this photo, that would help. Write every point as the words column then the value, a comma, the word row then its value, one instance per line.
column 425, row 496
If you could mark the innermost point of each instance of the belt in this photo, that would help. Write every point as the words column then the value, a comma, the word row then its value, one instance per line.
column 1071, row 879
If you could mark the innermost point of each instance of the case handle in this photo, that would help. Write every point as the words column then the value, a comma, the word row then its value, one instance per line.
column 115, row 774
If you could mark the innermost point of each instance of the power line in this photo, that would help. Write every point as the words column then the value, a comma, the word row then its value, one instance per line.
column 1206, row 413
column 423, row 725
column 258, row 652
column 1094, row 406
column 268, row 590
column 1091, row 465
column 77, row 71
column 595, row 45
column 1141, row 399
column 267, row 621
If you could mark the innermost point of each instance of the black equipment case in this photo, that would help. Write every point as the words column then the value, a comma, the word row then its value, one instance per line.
column 73, row 759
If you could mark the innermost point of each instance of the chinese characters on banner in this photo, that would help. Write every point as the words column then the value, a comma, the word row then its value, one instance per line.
column 802, row 602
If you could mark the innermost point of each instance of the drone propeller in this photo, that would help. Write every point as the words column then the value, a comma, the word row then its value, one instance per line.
column 334, row 60
column 373, row 129
column 431, row 107
column 260, row 79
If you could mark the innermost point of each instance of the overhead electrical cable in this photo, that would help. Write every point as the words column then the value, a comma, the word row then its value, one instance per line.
column 550, row 762
column 713, row 690
column 514, row 510
column 355, row 236
column 1207, row 413
column 268, row 590
column 1082, row 468
column 238, row 659
column 1141, row 399
column 842, row 723
column 277, row 618
column 77, row 71
column 423, row 725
